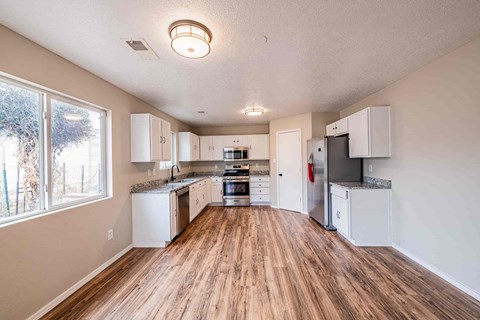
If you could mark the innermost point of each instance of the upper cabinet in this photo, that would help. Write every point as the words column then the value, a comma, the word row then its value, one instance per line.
column 235, row 141
column 338, row 128
column 211, row 148
column 150, row 138
column 189, row 146
column 259, row 147
column 369, row 133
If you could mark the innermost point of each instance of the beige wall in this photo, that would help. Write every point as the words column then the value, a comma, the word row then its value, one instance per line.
column 320, row 121
column 435, row 167
column 226, row 130
column 303, row 122
column 42, row 257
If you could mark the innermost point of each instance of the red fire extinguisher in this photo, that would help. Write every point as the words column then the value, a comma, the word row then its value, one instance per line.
column 310, row 168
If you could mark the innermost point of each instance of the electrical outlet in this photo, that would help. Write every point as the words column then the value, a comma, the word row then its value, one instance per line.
column 149, row 172
column 370, row 168
column 110, row 234
column 154, row 171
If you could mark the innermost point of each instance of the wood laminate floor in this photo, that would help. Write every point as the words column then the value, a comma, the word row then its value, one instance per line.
column 263, row 263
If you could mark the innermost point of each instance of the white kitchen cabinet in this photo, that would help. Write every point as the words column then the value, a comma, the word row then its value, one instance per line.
column 189, row 146
column 260, row 190
column 369, row 133
column 154, row 219
column 362, row 215
column 199, row 197
column 150, row 138
column 216, row 191
column 211, row 148
column 259, row 147
column 206, row 152
column 235, row 141
column 338, row 128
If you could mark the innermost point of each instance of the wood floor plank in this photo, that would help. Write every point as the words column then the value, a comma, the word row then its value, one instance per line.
column 264, row 263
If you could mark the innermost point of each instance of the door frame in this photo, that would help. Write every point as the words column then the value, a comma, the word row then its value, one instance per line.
column 299, row 130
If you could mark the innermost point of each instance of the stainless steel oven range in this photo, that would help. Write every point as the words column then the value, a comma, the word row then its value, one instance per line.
column 236, row 185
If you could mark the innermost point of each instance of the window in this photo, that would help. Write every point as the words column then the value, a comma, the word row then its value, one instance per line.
column 52, row 151
column 169, row 164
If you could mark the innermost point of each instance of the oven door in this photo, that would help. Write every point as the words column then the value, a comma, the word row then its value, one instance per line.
column 236, row 193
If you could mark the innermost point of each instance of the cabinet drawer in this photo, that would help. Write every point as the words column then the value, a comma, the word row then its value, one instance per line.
column 342, row 193
column 216, row 179
column 260, row 198
column 258, row 191
column 260, row 179
column 259, row 184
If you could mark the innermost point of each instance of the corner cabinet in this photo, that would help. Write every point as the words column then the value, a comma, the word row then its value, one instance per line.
column 150, row 138
column 259, row 147
column 369, row 133
column 189, row 146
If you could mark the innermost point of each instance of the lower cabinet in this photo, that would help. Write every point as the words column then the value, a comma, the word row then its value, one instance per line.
column 200, row 197
column 362, row 215
column 154, row 219
column 216, row 191
column 260, row 190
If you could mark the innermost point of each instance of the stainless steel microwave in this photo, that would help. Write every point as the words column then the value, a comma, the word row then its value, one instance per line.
column 235, row 153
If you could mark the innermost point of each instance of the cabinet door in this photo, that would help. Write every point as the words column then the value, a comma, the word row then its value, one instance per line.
column 331, row 130
column 206, row 148
column 340, row 215
column 195, row 147
column 259, row 146
column 167, row 141
column 208, row 192
column 358, row 127
column 229, row 141
column 341, row 127
column 217, row 192
column 156, row 141
column 217, row 147
column 173, row 215
column 241, row 141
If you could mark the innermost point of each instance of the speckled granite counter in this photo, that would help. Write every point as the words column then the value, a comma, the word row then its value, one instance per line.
column 259, row 173
column 368, row 183
column 159, row 186
column 358, row 185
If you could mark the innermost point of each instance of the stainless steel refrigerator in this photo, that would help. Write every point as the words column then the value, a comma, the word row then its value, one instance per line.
column 328, row 162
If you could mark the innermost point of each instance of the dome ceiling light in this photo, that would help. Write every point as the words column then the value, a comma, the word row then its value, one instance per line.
column 254, row 111
column 190, row 39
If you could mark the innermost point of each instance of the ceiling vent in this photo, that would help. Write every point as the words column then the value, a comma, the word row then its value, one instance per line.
column 141, row 48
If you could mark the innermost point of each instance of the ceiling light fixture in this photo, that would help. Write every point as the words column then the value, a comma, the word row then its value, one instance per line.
column 190, row 39
column 254, row 111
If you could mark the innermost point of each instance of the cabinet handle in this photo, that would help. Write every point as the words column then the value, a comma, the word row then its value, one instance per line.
column 213, row 147
column 338, row 214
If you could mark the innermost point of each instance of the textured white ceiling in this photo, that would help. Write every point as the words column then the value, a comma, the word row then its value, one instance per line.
column 320, row 55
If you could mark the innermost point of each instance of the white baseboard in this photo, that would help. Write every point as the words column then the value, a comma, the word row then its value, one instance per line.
column 55, row 302
column 474, row 294
column 274, row 207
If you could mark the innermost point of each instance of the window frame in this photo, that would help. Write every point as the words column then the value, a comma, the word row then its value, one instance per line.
column 45, row 156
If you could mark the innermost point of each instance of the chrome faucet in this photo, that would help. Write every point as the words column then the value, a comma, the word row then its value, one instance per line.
column 172, row 178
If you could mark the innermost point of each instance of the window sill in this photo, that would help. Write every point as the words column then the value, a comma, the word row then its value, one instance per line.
column 27, row 217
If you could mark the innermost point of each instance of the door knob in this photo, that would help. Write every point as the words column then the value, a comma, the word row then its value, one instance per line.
column 280, row 174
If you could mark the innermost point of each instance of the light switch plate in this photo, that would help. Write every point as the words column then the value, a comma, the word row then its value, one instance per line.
column 370, row 168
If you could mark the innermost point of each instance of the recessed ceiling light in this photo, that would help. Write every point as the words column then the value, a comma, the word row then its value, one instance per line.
column 190, row 39
column 254, row 111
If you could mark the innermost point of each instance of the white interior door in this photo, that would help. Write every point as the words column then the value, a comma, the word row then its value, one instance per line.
column 289, row 170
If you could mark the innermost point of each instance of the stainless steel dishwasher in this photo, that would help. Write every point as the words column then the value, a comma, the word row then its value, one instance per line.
column 183, row 210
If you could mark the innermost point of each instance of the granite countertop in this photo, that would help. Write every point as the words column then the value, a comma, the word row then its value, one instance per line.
column 359, row 185
column 159, row 186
